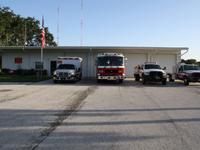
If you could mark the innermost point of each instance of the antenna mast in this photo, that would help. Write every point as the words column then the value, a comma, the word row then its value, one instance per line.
column 58, row 11
column 81, row 23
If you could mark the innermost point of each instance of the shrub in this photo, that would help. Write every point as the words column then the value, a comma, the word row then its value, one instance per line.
column 26, row 72
column 8, row 71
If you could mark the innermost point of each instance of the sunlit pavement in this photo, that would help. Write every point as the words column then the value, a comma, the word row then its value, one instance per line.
column 108, row 116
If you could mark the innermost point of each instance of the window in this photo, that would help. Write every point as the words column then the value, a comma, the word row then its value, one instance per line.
column 110, row 61
column 191, row 67
column 152, row 66
column 18, row 60
column 181, row 69
column 66, row 66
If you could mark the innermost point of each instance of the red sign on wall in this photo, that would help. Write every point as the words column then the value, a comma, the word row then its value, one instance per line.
column 18, row 60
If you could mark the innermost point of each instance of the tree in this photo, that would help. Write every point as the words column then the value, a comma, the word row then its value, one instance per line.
column 191, row 61
column 19, row 31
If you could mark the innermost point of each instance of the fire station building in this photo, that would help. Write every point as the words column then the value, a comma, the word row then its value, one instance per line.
column 27, row 57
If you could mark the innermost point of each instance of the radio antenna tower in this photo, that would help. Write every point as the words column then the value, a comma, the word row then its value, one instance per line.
column 58, row 11
column 81, row 23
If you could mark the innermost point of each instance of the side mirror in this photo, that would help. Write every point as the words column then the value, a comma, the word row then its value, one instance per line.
column 164, row 68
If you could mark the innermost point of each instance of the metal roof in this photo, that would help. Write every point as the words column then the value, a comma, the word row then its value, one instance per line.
column 123, row 48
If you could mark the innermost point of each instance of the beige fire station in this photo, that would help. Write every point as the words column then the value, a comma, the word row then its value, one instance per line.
column 27, row 57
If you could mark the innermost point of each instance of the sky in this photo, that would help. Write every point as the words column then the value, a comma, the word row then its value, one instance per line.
column 157, row 23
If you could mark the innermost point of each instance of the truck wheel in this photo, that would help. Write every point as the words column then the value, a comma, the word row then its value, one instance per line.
column 164, row 82
column 121, row 80
column 137, row 79
column 143, row 81
column 98, row 81
column 55, row 81
column 80, row 77
column 76, row 79
column 170, row 78
column 186, row 82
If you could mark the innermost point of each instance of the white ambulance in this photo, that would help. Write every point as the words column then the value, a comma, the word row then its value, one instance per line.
column 68, row 69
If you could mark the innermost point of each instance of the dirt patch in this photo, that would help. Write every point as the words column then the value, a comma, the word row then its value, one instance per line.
column 12, row 98
column 6, row 90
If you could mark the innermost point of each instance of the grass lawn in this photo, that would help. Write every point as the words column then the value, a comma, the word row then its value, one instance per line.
column 21, row 78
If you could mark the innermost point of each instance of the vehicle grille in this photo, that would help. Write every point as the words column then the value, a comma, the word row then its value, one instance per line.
column 156, row 74
column 196, row 75
column 111, row 71
column 63, row 74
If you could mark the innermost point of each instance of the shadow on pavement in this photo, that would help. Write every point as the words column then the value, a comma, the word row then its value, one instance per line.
column 20, row 128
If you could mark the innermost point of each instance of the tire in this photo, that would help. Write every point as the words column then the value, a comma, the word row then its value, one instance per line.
column 75, row 79
column 98, row 81
column 137, row 79
column 80, row 77
column 171, row 79
column 143, row 81
column 55, row 81
column 164, row 82
column 121, row 80
column 186, row 81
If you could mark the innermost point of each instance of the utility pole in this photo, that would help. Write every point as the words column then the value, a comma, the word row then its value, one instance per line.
column 58, row 11
column 81, row 23
column 25, row 33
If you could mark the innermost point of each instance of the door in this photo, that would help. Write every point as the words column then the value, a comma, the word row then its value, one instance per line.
column 53, row 65
column 132, row 61
column 0, row 63
column 166, row 60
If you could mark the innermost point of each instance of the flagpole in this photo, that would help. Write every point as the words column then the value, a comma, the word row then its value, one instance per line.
column 41, row 68
column 42, row 45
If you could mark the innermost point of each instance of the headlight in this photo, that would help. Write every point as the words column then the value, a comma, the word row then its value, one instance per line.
column 72, row 73
column 146, row 73
column 120, row 71
column 164, row 74
column 54, row 73
column 100, row 71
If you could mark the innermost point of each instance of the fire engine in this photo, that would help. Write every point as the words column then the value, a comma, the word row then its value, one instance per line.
column 110, row 66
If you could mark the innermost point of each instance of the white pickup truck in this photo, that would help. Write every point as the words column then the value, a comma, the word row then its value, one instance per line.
column 150, row 72
column 68, row 69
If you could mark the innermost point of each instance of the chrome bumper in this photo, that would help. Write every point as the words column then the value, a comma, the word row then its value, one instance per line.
column 110, row 77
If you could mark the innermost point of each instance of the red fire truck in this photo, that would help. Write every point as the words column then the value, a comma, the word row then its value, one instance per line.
column 110, row 66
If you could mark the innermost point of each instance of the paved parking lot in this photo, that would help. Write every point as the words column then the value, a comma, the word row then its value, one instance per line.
column 107, row 116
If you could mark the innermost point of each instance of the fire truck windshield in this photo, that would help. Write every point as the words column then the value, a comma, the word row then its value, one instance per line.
column 110, row 61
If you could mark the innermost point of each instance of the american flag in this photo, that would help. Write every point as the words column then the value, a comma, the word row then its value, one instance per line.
column 43, row 33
